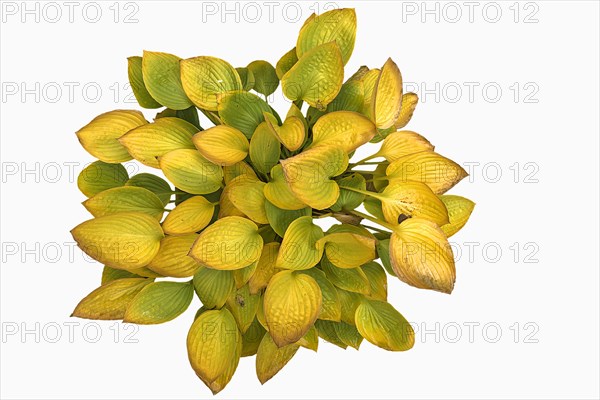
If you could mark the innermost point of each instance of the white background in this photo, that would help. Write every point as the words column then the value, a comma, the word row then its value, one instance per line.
column 547, row 291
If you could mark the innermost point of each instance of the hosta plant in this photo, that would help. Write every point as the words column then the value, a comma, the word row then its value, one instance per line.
column 241, row 209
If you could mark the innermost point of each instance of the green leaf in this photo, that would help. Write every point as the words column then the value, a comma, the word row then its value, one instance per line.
column 205, row 78
column 125, row 199
column 124, row 240
column 265, row 149
column 110, row 300
column 112, row 274
column 151, row 141
column 377, row 280
column 172, row 258
column 188, row 170
column 243, row 306
column 159, row 302
column 280, row 219
column 136, row 80
column 266, row 80
column 351, row 279
column 243, row 111
column 100, row 176
column 161, row 74
column 252, row 338
column 153, row 183
column 213, row 287
column 348, row 334
column 246, row 77
column 100, row 137
column 327, row 331
column 383, row 252
column 379, row 323
column 349, row 200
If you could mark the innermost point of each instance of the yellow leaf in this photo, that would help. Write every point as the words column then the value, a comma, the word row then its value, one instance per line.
column 222, row 145
column 172, row 258
column 348, row 250
column 125, row 240
column 291, row 134
column 436, row 171
column 264, row 149
column 100, row 137
column 124, row 199
column 247, row 196
column 226, row 207
column 403, row 143
column 190, row 171
column 459, row 211
column 369, row 81
column 337, row 25
column 331, row 308
column 301, row 247
column 219, row 384
column 110, row 300
column 161, row 76
column 309, row 174
column 230, row 243
column 100, row 176
column 291, row 305
column 379, row 323
column 213, row 287
column 270, row 358
column 136, row 81
column 413, row 199
column 150, row 141
column 317, row 77
column 387, row 96
column 212, row 343
column 286, row 62
column 189, row 216
column 242, row 110
column 265, row 268
column 159, row 302
column 345, row 129
column 409, row 103
column 204, row 78
column 231, row 172
column 421, row 256
column 278, row 192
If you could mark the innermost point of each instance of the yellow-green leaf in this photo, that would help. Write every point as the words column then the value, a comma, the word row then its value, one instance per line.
column 246, row 77
column 265, row 149
column 150, row 141
column 124, row 199
column 243, row 306
column 349, row 200
column 309, row 174
column 212, row 343
column 377, row 280
column 153, row 183
column 248, row 197
column 204, row 78
column 383, row 251
column 172, row 258
column 379, row 323
column 161, row 74
column 317, row 77
column 230, row 243
column 100, row 176
column 348, row 250
column 436, row 171
column 349, row 301
column 159, row 302
column 125, row 240
column 291, row 305
column 421, row 256
column 327, row 331
column 286, row 62
column 222, row 145
column 100, row 137
column 403, row 143
column 213, row 287
column 337, row 25
column 351, row 279
column 291, row 134
column 280, row 219
column 219, row 384
column 331, row 308
column 301, row 247
column 310, row 340
column 459, row 211
column 190, row 171
column 270, row 358
column 265, row 268
column 387, row 96
column 112, row 274
column 348, row 334
column 345, row 129
column 110, row 300
column 230, row 172
column 409, row 103
column 252, row 338
column 242, row 276
column 266, row 80
column 278, row 192
column 192, row 215
column 136, row 80
column 242, row 110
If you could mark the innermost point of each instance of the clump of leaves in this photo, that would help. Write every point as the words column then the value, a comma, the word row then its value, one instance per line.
column 246, row 195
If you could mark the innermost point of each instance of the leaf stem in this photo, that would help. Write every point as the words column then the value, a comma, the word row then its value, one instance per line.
column 364, row 161
column 373, row 219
